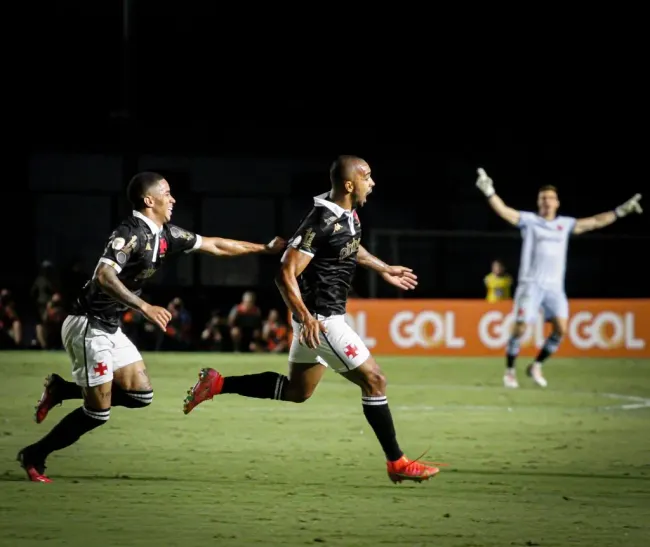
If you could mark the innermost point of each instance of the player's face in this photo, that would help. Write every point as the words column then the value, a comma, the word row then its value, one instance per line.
column 548, row 203
column 163, row 202
column 363, row 185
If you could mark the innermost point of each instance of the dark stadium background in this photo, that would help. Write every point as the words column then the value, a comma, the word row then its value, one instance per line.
column 244, row 118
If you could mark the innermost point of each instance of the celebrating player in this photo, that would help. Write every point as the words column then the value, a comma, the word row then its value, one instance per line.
column 314, row 279
column 542, row 267
column 106, row 366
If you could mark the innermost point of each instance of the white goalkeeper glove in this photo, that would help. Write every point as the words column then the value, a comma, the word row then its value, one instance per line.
column 484, row 183
column 632, row 205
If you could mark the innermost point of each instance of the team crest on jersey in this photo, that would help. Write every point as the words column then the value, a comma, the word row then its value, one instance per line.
column 337, row 227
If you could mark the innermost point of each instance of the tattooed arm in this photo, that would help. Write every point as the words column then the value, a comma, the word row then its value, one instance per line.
column 109, row 282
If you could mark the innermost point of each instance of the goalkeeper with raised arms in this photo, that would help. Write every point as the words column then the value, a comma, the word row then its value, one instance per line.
column 542, row 267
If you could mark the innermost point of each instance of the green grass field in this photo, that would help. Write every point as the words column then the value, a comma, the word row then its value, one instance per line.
column 569, row 465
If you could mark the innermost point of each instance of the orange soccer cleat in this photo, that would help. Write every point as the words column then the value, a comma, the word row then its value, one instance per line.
column 411, row 470
column 210, row 384
column 35, row 470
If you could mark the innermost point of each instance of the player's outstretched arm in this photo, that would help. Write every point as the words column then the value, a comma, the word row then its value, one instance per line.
column 399, row 276
column 486, row 185
column 597, row 222
column 108, row 281
column 293, row 264
column 219, row 246
column 370, row 261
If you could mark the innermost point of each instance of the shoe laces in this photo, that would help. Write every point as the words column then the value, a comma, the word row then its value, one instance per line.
column 419, row 463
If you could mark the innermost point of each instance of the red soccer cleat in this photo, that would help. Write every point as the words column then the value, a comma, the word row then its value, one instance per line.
column 411, row 470
column 210, row 384
column 35, row 470
column 48, row 399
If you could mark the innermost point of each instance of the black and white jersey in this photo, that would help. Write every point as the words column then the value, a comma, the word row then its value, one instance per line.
column 331, row 235
column 136, row 249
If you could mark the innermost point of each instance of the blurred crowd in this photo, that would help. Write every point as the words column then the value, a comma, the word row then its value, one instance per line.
column 245, row 328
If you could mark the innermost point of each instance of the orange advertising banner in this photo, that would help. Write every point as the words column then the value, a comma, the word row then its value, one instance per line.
column 596, row 328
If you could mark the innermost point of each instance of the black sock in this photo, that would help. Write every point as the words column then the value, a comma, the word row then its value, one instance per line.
column 129, row 398
column 542, row 355
column 512, row 351
column 66, row 390
column 549, row 348
column 380, row 419
column 67, row 431
column 266, row 385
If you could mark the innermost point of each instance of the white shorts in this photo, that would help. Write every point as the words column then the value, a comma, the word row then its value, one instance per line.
column 95, row 353
column 530, row 298
column 340, row 347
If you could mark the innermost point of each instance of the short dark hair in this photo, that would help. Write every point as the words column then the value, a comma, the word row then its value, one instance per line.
column 342, row 169
column 548, row 188
column 139, row 186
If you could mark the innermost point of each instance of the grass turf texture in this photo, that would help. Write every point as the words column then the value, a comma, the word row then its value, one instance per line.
column 569, row 465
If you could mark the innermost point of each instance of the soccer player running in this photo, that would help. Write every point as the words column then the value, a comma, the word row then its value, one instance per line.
column 314, row 279
column 542, row 267
column 107, row 368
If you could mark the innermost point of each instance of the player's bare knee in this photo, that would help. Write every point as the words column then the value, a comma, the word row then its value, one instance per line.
column 518, row 330
column 299, row 391
column 559, row 331
column 298, row 395
column 98, row 397
column 374, row 381
column 369, row 377
column 134, row 378
column 301, row 382
column 143, row 382
column 377, row 382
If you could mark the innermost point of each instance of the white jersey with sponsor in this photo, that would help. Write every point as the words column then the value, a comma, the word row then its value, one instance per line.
column 544, row 250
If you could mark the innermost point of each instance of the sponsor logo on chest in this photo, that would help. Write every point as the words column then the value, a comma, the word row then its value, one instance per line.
column 350, row 248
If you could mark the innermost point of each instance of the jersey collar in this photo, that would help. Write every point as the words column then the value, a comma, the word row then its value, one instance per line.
column 154, row 230
column 322, row 201
column 152, row 225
